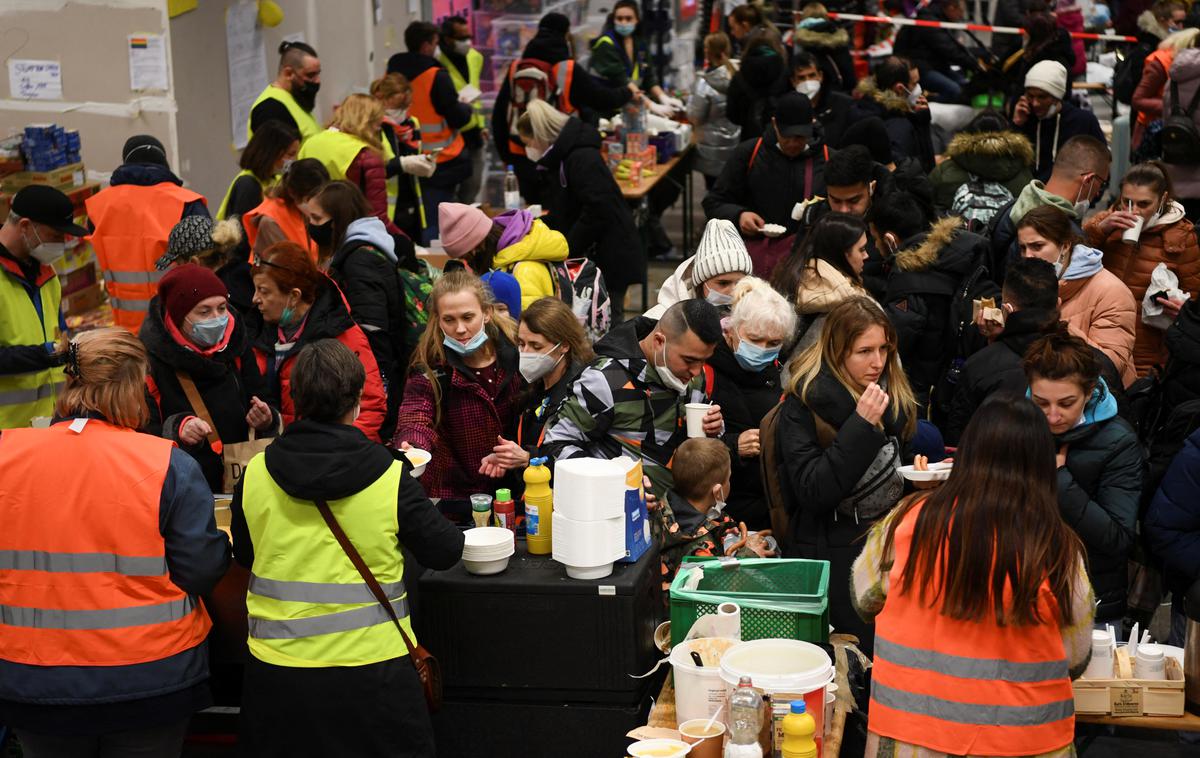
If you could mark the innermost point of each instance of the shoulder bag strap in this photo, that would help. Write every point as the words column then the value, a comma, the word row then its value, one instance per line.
column 1191, row 109
column 361, row 566
column 197, row 403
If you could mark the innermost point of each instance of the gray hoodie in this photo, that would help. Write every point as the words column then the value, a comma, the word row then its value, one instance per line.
column 1085, row 262
column 371, row 229
column 718, row 136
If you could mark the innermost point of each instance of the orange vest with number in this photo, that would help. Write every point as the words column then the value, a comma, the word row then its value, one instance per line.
column 290, row 220
column 967, row 688
column 435, row 130
column 83, row 566
column 132, row 226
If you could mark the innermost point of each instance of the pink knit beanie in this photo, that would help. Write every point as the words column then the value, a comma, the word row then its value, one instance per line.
column 462, row 228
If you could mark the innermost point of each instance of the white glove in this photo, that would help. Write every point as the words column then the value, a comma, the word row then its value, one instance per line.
column 418, row 165
column 661, row 109
column 675, row 103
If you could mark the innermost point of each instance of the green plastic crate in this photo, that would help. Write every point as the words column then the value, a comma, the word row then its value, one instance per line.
column 779, row 598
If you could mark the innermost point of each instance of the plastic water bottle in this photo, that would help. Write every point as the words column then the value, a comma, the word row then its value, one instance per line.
column 798, row 731
column 745, row 721
column 539, row 507
column 512, row 192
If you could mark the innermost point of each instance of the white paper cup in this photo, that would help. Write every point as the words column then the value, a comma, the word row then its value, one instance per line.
column 1133, row 233
column 1101, row 664
column 1150, row 662
column 695, row 418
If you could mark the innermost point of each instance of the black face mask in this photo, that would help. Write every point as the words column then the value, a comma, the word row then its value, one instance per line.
column 322, row 234
column 305, row 94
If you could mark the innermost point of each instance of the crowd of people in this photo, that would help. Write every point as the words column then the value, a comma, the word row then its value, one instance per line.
column 983, row 296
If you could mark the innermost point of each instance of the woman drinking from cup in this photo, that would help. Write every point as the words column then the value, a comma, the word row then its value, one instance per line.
column 847, row 418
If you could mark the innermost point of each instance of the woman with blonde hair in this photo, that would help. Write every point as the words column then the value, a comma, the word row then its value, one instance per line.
column 582, row 197
column 402, row 133
column 746, row 383
column 351, row 148
column 462, row 392
column 843, row 432
column 109, row 542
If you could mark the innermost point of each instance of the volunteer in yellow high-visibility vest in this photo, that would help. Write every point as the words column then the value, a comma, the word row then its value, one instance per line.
column 465, row 64
column 292, row 97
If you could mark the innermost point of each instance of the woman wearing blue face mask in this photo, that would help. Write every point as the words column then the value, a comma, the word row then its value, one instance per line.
column 744, row 377
column 197, row 344
column 461, row 398
column 621, row 56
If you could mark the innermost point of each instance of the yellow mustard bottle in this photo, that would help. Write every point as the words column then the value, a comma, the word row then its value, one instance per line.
column 539, row 507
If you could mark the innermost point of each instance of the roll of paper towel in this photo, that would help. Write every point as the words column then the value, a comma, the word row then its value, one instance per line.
column 729, row 621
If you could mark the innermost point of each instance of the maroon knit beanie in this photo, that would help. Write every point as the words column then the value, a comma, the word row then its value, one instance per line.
column 185, row 286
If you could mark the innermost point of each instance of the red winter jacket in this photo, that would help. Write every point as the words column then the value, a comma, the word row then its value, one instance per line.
column 368, row 172
column 328, row 318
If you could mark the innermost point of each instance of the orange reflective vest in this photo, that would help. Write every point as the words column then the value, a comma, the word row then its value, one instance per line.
column 1165, row 58
column 132, row 226
column 435, row 130
column 290, row 221
column 967, row 688
column 83, row 566
column 564, row 77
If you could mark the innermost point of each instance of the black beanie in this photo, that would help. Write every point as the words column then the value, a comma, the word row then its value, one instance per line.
column 143, row 148
column 555, row 22
column 872, row 134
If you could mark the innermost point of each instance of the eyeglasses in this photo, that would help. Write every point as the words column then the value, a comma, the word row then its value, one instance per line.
column 261, row 261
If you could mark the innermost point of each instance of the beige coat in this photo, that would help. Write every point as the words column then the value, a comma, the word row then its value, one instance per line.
column 1101, row 309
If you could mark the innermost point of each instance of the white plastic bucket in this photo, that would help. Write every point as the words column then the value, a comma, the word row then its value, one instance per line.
column 782, row 666
column 699, row 691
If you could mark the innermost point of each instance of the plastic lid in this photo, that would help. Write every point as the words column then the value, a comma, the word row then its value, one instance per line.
column 797, row 706
column 503, row 495
column 538, row 461
column 745, row 682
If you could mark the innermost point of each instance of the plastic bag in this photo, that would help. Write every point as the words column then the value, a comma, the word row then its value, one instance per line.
column 1162, row 279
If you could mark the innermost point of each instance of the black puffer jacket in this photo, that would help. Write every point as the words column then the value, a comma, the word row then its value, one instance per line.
column 926, row 275
column 1098, row 493
column 815, row 479
column 829, row 43
column 761, row 78
column 744, row 397
column 586, row 205
column 931, row 48
column 1182, row 382
column 770, row 187
column 226, row 380
column 909, row 130
column 833, row 116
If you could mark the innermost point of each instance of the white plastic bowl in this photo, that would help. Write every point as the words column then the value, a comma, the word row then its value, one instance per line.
column 773, row 230
column 486, row 568
column 655, row 748
column 938, row 472
column 419, row 459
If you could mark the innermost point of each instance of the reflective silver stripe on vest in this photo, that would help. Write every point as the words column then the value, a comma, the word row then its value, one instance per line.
column 434, row 127
column 126, row 304
column 971, row 713
column 30, row 395
column 320, row 592
column 133, row 277
column 969, row 668
column 108, row 618
column 345, row 621
column 81, row 563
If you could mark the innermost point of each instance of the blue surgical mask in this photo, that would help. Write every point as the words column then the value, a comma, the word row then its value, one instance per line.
column 210, row 331
column 754, row 358
column 471, row 345
column 624, row 30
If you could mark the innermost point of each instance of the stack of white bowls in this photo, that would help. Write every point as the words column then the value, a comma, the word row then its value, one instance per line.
column 486, row 549
column 589, row 516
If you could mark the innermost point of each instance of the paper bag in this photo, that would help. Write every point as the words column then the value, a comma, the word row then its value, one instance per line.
column 637, row 520
column 1162, row 279
column 236, row 456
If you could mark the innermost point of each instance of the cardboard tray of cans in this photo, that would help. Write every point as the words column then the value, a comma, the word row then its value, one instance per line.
column 1126, row 696
column 70, row 175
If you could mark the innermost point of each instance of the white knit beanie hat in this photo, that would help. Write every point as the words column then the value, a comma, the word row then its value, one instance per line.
column 721, row 251
column 1049, row 76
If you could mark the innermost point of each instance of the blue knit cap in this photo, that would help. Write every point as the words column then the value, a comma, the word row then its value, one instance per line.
column 506, row 289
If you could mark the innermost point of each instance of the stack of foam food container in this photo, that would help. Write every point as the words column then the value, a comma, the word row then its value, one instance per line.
column 589, row 516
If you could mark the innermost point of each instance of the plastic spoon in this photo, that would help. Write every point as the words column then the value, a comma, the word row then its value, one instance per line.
column 712, row 720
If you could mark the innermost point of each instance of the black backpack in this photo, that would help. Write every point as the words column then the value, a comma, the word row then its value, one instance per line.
column 1180, row 136
column 1128, row 72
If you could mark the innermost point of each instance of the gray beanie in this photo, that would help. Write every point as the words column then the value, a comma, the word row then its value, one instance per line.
column 721, row 251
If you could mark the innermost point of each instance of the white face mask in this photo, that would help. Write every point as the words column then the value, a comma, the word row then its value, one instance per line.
column 1082, row 201
column 1053, row 110
column 534, row 366
column 1060, row 265
column 809, row 88
column 533, row 153
column 668, row 377
column 46, row 252
column 718, row 299
column 462, row 46
column 914, row 94
column 397, row 114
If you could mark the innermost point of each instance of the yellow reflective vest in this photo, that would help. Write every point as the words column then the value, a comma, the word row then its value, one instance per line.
column 474, row 71
column 305, row 122
column 337, row 150
column 225, row 203
column 308, row 606
column 29, row 315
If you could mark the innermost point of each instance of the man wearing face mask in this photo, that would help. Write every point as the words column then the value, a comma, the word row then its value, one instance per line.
column 894, row 94
column 765, row 177
column 31, row 321
column 198, row 347
column 1042, row 115
column 832, row 107
column 1079, row 177
column 720, row 262
column 291, row 98
column 630, row 400
column 464, row 64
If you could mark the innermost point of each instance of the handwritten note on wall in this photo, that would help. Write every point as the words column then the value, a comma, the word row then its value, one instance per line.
column 34, row 80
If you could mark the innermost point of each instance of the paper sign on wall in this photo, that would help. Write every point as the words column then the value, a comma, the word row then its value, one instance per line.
column 247, row 65
column 147, row 62
column 34, row 80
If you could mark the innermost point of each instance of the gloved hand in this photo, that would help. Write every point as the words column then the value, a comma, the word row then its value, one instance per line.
column 660, row 109
column 675, row 103
column 418, row 165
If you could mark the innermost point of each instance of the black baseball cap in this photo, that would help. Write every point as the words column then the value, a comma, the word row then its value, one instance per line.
column 794, row 115
column 46, row 205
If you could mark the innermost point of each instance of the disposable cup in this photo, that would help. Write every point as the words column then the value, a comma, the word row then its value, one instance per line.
column 1101, row 664
column 695, row 418
column 1150, row 662
column 1133, row 233
column 706, row 743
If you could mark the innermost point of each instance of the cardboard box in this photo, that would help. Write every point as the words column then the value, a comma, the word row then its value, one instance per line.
column 78, row 195
column 87, row 299
column 1132, row 697
column 79, row 278
column 70, row 175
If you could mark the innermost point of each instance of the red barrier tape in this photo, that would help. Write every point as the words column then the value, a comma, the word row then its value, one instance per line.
column 901, row 21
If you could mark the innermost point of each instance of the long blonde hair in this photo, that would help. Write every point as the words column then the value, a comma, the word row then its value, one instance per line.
column 106, row 374
column 843, row 325
column 358, row 116
column 429, row 355
column 541, row 121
